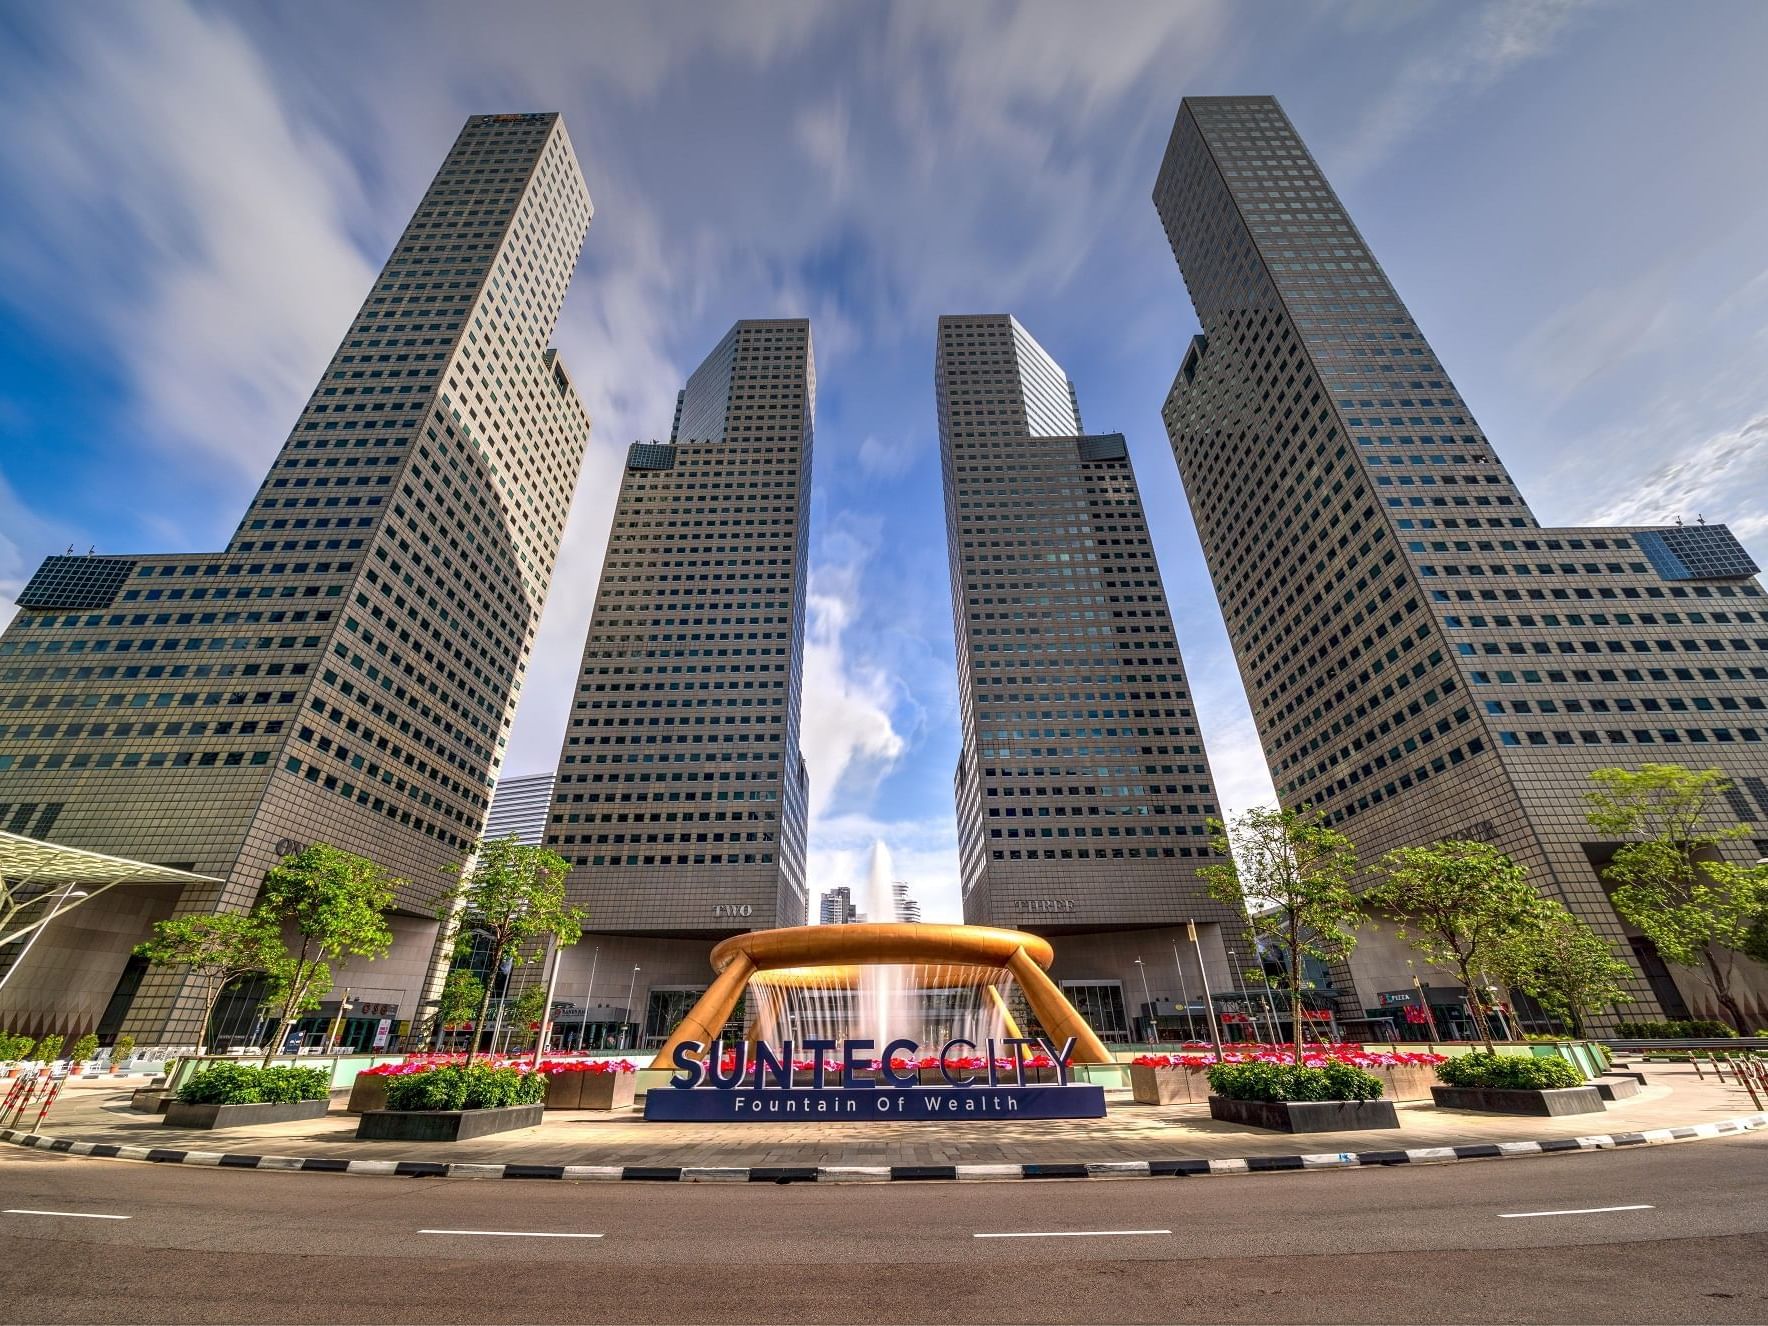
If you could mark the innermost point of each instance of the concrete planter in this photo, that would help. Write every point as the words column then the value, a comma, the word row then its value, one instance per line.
column 1493, row 1100
column 445, row 1125
column 1306, row 1116
column 563, row 1090
column 368, row 1092
column 150, row 1100
column 1166, row 1086
column 1406, row 1081
column 1616, row 1088
column 180, row 1115
column 607, row 1091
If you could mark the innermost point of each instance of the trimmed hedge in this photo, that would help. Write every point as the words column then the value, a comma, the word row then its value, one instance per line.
column 1681, row 1030
column 464, row 1087
column 1281, row 1082
column 242, row 1084
column 1509, row 1072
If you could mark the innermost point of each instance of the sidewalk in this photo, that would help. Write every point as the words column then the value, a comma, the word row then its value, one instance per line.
column 1673, row 1098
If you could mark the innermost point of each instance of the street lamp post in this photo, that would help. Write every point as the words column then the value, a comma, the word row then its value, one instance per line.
column 338, row 1022
column 631, row 987
column 1153, row 1017
column 588, row 999
column 552, row 981
column 1215, row 1031
column 1184, row 993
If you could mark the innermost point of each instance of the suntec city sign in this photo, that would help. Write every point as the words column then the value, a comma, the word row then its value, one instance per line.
column 735, row 1086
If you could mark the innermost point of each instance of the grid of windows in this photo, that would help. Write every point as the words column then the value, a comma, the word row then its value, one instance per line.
column 1082, row 773
column 347, row 669
column 1382, row 580
column 682, row 797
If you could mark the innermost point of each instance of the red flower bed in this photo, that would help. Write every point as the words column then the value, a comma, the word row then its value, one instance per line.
column 1313, row 1056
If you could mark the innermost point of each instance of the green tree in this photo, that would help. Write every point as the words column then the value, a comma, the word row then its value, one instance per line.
column 1671, row 882
column 1459, row 903
column 85, row 1049
column 528, row 1008
column 514, row 895
column 462, row 995
column 217, row 949
column 336, row 902
column 1565, row 965
column 1289, row 874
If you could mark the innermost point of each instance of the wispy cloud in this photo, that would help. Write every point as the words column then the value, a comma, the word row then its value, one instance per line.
column 847, row 732
column 1460, row 61
column 1721, row 477
column 163, row 171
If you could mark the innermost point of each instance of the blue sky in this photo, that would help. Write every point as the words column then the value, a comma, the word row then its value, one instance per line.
column 194, row 199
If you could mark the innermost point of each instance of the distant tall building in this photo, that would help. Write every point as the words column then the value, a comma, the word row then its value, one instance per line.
column 347, row 669
column 519, row 806
column 1082, row 788
column 836, row 907
column 907, row 908
column 682, row 796
column 1424, row 659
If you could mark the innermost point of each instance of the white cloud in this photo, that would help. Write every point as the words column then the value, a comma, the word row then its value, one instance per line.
column 888, row 459
column 167, row 173
column 846, row 729
column 1463, row 60
column 924, row 854
column 1721, row 477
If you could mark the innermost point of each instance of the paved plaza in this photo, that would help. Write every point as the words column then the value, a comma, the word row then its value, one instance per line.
column 1673, row 1097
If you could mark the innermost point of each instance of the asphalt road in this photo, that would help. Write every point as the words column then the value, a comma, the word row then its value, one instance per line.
column 1513, row 1240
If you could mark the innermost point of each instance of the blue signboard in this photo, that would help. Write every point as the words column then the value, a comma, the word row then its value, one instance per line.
column 771, row 1104
column 735, row 1088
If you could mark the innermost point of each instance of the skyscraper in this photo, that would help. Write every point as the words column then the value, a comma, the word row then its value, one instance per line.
column 347, row 668
column 682, row 796
column 836, row 907
column 1082, row 787
column 907, row 909
column 520, row 806
column 1424, row 659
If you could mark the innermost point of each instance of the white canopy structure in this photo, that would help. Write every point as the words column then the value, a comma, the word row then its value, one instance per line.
column 40, row 881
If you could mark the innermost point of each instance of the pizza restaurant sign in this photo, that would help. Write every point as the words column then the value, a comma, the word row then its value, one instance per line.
column 852, row 1080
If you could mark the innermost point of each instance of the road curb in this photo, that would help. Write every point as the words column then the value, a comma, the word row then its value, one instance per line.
column 1197, row 1167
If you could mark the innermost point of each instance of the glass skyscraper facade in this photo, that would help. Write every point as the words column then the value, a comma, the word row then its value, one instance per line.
column 1424, row 659
column 1082, row 788
column 682, row 796
column 346, row 670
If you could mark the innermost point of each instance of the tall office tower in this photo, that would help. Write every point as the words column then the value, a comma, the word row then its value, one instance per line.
column 520, row 806
column 1424, row 659
column 1082, row 787
column 682, row 796
column 836, row 907
column 346, row 669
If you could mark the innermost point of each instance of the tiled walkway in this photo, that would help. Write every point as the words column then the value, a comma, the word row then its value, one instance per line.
column 1674, row 1097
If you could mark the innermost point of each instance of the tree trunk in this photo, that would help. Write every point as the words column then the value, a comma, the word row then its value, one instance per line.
column 485, row 1004
column 1476, row 1006
column 1295, row 962
column 202, row 1040
column 1722, row 989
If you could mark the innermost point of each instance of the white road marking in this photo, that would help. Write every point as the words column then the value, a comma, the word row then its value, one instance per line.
column 1070, row 1233
column 1581, row 1210
column 79, row 1215
column 512, row 1233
